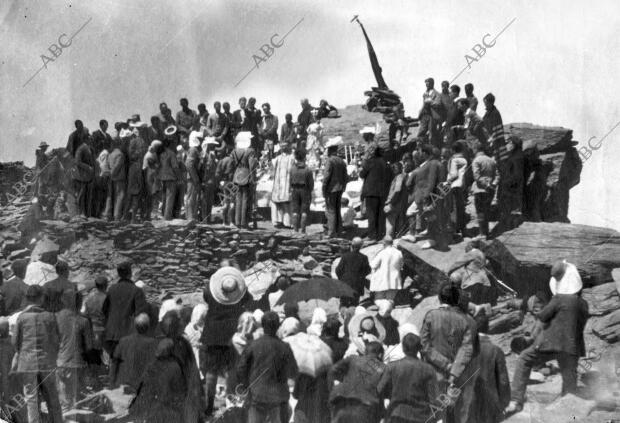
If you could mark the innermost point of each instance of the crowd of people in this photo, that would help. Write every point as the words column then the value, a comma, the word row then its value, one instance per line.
column 256, row 357
column 184, row 165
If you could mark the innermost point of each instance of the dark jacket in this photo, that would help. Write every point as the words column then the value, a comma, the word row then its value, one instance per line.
column 13, row 292
column 123, row 302
column 169, row 166
column 221, row 320
column 301, row 175
column 447, row 339
column 564, row 319
column 99, row 139
column 266, row 365
column 225, row 170
column 131, row 357
column 392, row 337
column 359, row 376
column 84, row 164
column 426, row 178
column 118, row 165
column 36, row 340
column 353, row 269
column 76, row 338
column 492, row 385
column 335, row 176
column 60, row 293
column 410, row 385
column 377, row 177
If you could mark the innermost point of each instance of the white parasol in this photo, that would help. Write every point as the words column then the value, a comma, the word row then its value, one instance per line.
column 312, row 355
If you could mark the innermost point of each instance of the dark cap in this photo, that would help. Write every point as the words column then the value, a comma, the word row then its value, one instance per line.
column 124, row 267
column 34, row 292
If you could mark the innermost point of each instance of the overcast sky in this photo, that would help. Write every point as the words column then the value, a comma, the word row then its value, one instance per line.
column 556, row 64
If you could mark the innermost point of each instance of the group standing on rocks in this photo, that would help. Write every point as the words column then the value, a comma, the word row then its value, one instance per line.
column 185, row 165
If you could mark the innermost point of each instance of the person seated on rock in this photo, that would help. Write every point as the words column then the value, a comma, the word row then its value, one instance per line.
column 472, row 278
column 561, row 338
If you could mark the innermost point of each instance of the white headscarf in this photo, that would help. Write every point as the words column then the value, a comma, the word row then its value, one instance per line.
column 168, row 305
column 319, row 317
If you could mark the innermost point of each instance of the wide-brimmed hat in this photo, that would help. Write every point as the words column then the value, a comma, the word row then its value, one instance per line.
column 227, row 285
column 125, row 133
column 243, row 139
column 171, row 130
column 138, row 124
column 334, row 142
column 355, row 326
column 43, row 144
column 211, row 140
column 570, row 283
column 368, row 130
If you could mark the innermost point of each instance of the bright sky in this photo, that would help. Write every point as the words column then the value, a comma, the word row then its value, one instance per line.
column 556, row 65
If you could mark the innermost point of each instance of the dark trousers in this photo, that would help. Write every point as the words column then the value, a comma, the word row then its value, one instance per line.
column 168, row 197
column 376, row 217
column 482, row 201
column 242, row 206
column 458, row 194
column 532, row 356
column 83, row 196
column 207, row 198
column 300, row 200
column 332, row 212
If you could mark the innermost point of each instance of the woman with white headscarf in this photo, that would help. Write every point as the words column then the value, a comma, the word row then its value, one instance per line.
column 193, row 330
column 319, row 317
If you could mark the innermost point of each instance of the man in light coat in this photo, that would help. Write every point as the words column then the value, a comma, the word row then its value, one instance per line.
column 386, row 266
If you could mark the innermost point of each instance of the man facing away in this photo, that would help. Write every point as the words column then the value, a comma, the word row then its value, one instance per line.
column 76, row 339
column 36, row 342
column 14, row 290
column 334, row 183
column 353, row 268
column 410, row 385
column 486, row 178
column 60, row 291
column 268, row 367
column 302, row 185
column 93, row 310
column 386, row 279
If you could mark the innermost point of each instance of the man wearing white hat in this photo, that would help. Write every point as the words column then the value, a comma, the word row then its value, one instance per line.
column 334, row 183
column 564, row 319
column 192, row 163
column 244, row 164
column 208, row 168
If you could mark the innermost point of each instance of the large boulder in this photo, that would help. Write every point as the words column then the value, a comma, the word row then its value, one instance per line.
column 608, row 327
column 522, row 258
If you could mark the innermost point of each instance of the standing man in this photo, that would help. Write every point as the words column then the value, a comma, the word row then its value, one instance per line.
column 42, row 159
column 469, row 94
column 243, row 177
column 168, row 174
column 269, row 129
column 229, row 139
column 240, row 118
column 60, row 292
column 396, row 202
column 217, row 124
column 192, row 163
column 473, row 123
column 123, row 302
column 486, row 178
column 305, row 118
column 100, row 137
column 410, row 385
column 76, row 138
column 377, row 177
column 185, row 117
column 165, row 115
column 76, row 339
column 13, row 291
column 268, row 367
column 430, row 115
column 334, row 183
column 510, row 189
column 83, row 179
column 155, row 131
column 386, row 267
column 355, row 398
column 448, row 339
column 353, row 268
column 203, row 115
column 254, row 123
column 208, row 171
column 115, row 203
column 281, row 192
column 302, row 185
column 494, row 126
column 564, row 319
column 36, row 342
column 93, row 310
column 224, row 176
column 287, row 132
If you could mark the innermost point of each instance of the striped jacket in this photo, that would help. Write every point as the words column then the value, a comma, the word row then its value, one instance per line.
column 492, row 121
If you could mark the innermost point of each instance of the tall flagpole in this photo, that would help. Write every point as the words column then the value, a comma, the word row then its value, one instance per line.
column 374, row 62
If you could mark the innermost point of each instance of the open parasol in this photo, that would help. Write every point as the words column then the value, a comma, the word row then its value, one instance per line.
column 316, row 289
column 311, row 354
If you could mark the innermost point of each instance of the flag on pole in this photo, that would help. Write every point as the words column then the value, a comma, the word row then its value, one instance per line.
column 374, row 62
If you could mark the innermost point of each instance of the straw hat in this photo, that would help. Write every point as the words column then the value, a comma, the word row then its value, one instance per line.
column 171, row 130
column 194, row 138
column 125, row 133
column 570, row 283
column 43, row 144
column 334, row 142
column 138, row 124
column 210, row 140
column 243, row 139
column 227, row 286
column 355, row 326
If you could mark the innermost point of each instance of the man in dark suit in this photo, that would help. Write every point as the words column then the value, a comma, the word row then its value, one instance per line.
column 59, row 292
column 334, row 183
column 100, row 137
column 564, row 319
column 353, row 268
column 377, row 178
column 240, row 118
column 123, row 302
column 13, row 291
